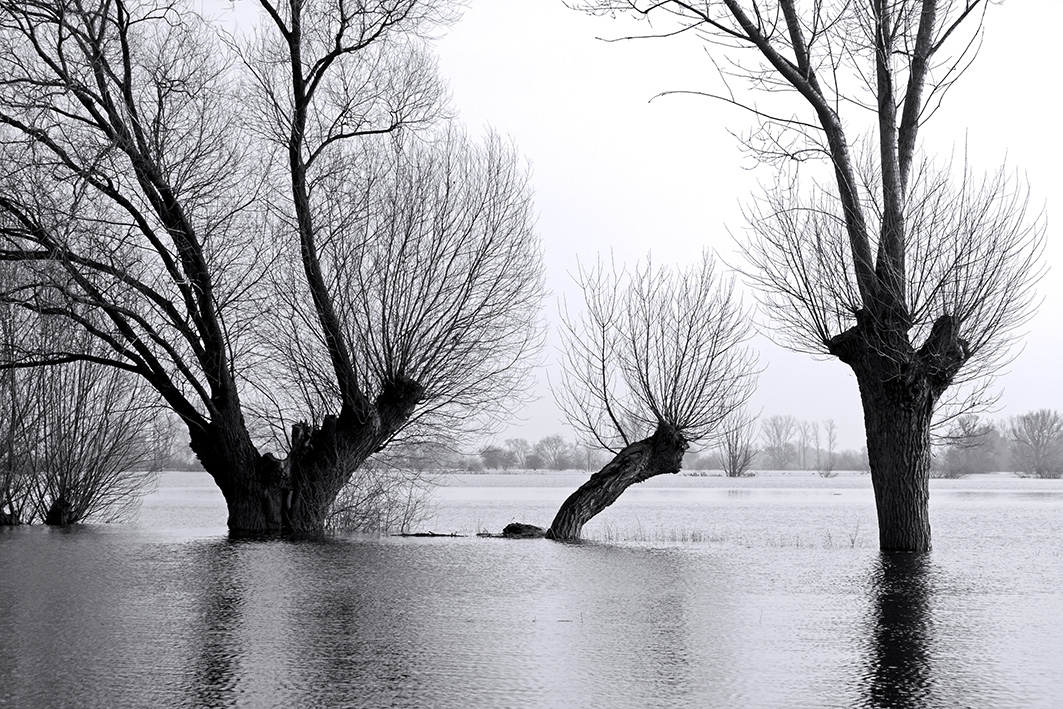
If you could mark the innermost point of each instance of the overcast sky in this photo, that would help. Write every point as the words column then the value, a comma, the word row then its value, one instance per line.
column 616, row 171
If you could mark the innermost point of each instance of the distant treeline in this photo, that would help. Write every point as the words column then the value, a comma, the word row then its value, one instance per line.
column 1030, row 444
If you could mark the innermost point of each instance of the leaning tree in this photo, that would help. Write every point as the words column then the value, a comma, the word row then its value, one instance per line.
column 914, row 275
column 655, row 362
column 155, row 178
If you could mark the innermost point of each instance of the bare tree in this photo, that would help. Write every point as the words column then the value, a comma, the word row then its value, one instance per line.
column 655, row 362
column 18, row 419
column 433, row 272
column 914, row 275
column 383, row 498
column 965, row 445
column 804, row 436
column 122, row 200
column 826, row 456
column 158, row 180
column 777, row 434
column 1037, row 443
column 552, row 452
column 420, row 270
column 519, row 448
column 737, row 447
column 75, row 445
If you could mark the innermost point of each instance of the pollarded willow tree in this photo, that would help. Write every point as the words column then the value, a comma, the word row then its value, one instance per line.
column 429, row 256
column 155, row 178
column 913, row 275
column 656, row 362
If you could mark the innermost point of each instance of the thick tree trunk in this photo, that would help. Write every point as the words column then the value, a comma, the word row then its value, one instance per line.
column 324, row 457
column 898, row 450
column 899, row 387
column 255, row 486
column 269, row 496
column 60, row 514
column 660, row 453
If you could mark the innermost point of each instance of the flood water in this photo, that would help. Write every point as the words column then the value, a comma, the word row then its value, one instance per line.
column 698, row 593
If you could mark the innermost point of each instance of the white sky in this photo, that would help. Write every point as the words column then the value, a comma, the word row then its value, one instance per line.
column 616, row 172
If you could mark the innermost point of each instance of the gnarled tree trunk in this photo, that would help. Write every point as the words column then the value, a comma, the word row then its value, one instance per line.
column 268, row 496
column 899, row 387
column 660, row 453
column 898, row 450
column 60, row 513
column 254, row 486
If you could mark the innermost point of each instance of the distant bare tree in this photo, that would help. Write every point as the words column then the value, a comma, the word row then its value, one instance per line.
column 1037, row 443
column 777, row 434
column 552, row 452
column 494, row 457
column 914, row 275
column 826, row 456
column 520, row 449
column 964, row 443
column 655, row 362
column 737, row 447
column 804, row 440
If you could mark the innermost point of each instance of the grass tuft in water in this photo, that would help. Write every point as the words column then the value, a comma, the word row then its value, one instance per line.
column 638, row 533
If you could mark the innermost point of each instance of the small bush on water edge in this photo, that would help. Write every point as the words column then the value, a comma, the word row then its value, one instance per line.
column 383, row 499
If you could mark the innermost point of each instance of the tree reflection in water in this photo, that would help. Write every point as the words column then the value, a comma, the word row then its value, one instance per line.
column 214, row 668
column 899, row 671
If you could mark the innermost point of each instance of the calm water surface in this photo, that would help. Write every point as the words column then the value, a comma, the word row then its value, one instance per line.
column 699, row 593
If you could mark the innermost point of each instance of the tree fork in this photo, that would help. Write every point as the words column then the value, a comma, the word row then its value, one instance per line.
column 899, row 387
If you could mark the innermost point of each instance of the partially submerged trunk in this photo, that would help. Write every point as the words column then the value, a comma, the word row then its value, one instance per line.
column 269, row 496
column 659, row 454
column 60, row 513
column 254, row 486
column 899, row 387
column 898, row 450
